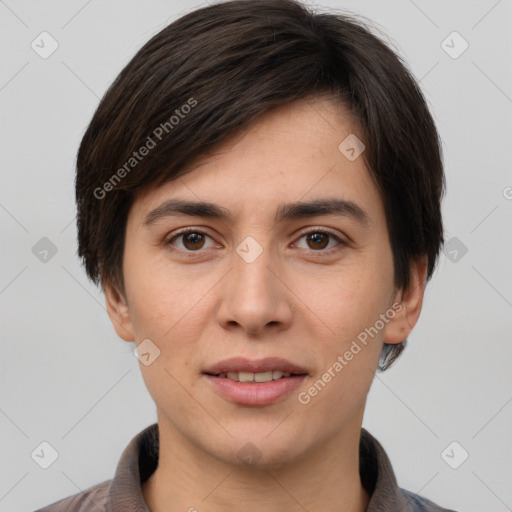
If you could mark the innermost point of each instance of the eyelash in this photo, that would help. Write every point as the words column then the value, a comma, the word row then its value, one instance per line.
column 192, row 254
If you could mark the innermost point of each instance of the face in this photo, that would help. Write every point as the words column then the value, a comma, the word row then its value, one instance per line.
column 279, row 288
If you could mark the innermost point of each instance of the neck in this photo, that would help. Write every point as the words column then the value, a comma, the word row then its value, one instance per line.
column 188, row 479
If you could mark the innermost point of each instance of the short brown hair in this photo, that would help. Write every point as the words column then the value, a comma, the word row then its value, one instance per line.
column 229, row 63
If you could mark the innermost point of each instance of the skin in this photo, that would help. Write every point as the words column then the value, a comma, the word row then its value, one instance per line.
column 294, row 301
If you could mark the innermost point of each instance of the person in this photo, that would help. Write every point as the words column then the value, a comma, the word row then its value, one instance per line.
column 259, row 197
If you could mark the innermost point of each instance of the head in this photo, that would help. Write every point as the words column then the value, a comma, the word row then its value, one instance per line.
column 249, row 106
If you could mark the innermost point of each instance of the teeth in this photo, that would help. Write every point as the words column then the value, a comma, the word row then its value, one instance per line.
column 255, row 377
column 245, row 376
column 262, row 377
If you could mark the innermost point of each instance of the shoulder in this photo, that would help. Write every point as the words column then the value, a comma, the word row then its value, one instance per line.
column 92, row 499
column 417, row 503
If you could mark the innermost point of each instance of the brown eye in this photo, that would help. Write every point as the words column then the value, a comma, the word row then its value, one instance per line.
column 192, row 240
column 319, row 240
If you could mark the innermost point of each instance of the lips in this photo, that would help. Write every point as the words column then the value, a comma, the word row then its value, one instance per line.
column 248, row 382
column 241, row 364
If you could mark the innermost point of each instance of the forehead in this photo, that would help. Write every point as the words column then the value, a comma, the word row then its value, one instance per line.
column 294, row 153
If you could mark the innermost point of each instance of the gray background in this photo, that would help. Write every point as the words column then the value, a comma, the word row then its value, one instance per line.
column 68, row 380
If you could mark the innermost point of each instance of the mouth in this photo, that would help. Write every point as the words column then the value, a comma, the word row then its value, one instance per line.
column 267, row 376
column 255, row 382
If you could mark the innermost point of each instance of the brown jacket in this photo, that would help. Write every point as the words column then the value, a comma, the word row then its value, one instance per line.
column 139, row 460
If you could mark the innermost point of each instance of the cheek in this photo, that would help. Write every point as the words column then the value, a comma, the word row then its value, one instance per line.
column 151, row 310
column 353, row 299
column 349, row 304
column 157, row 297
column 172, row 310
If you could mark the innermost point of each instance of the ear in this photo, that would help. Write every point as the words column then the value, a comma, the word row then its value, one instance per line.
column 118, row 311
column 407, row 304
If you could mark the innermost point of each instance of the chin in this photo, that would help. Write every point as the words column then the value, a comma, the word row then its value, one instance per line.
column 254, row 458
column 259, row 452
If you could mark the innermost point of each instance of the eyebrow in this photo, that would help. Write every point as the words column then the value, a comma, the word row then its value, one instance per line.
column 289, row 211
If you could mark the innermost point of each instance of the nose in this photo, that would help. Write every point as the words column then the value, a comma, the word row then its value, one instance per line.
column 254, row 295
